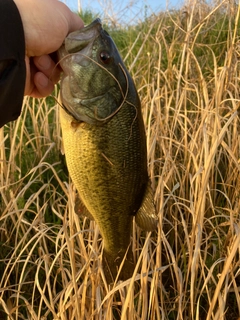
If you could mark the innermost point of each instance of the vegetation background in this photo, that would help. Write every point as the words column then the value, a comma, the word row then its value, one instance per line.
column 186, row 66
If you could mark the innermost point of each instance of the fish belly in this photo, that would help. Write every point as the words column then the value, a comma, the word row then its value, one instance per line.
column 108, row 167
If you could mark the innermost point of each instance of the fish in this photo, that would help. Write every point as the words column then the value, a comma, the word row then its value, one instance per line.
column 105, row 144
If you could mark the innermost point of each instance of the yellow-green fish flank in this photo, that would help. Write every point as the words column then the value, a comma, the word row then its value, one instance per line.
column 104, row 142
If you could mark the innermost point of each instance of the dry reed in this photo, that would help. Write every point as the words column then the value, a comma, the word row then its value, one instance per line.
column 50, row 260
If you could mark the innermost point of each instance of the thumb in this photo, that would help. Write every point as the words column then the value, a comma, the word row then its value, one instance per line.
column 73, row 20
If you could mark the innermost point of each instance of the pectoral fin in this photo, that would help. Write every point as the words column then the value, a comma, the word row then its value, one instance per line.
column 81, row 210
column 146, row 217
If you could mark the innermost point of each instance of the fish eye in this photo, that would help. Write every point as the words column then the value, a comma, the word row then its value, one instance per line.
column 105, row 57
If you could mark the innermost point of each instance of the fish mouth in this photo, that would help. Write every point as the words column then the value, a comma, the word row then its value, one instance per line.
column 78, row 40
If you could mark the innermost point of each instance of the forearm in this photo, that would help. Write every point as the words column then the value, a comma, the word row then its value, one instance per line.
column 12, row 62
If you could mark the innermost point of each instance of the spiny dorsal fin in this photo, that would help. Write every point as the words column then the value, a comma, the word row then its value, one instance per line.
column 146, row 217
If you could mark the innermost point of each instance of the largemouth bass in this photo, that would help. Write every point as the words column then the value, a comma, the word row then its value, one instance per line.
column 104, row 143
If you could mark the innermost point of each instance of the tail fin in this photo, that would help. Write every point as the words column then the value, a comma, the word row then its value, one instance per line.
column 120, row 266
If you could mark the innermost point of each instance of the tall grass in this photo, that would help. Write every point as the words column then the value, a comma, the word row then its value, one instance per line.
column 186, row 67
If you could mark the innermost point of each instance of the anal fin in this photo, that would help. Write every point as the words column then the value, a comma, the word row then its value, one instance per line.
column 146, row 217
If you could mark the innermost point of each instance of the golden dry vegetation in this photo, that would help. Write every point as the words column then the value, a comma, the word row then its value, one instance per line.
column 186, row 65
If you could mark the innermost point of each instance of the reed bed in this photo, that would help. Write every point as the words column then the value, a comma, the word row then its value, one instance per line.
column 186, row 67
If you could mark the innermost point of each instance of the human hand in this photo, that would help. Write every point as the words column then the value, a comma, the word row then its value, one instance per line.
column 46, row 23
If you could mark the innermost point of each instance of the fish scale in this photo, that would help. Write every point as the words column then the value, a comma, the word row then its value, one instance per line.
column 107, row 186
column 107, row 157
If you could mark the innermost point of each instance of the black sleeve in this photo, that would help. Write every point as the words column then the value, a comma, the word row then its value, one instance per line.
column 12, row 62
